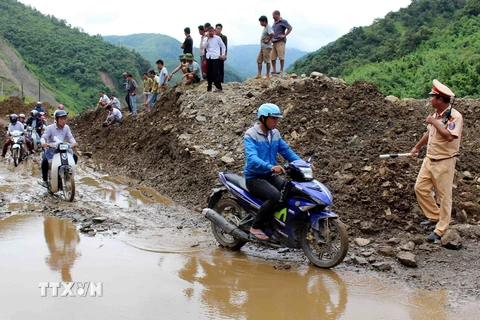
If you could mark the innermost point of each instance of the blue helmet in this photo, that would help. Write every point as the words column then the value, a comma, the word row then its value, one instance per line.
column 60, row 113
column 269, row 110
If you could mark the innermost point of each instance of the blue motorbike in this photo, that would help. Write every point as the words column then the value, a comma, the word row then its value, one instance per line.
column 302, row 220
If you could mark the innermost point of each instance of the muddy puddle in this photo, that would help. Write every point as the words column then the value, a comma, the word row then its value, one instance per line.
column 118, row 190
column 111, row 279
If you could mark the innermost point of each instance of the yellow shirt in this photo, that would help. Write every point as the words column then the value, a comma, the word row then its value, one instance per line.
column 147, row 85
column 440, row 148
column 155, row 85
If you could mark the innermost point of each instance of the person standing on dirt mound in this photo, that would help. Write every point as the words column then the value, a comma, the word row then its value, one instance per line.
column 215, row 51
column 281, row 29
column 262, row 144
column 132, row 92
column 127, row 86
column 443, row 135
column 55, row 133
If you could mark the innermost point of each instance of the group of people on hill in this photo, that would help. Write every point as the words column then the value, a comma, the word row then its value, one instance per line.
column 214, row 49
column 272, row 44
column 210, row 66
column 112, row 106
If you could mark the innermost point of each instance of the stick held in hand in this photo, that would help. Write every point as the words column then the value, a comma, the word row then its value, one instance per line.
column 396, row 155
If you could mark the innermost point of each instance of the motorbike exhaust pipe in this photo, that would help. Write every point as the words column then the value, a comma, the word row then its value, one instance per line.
column 226, row 226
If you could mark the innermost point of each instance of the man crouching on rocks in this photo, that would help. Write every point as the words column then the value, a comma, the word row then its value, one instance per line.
column 114, row 116
column 444, row 131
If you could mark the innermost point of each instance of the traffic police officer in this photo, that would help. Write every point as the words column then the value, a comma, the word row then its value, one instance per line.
column 444, row 131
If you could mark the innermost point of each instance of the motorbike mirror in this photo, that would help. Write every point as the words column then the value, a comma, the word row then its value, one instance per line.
column 311, row 156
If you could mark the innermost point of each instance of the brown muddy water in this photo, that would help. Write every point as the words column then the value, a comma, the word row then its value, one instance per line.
column 195, row 284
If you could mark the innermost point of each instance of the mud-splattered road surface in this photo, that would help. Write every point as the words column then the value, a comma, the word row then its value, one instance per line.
column 103, row 204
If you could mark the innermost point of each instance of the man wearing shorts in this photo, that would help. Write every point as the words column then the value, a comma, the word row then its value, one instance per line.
column 281, row 29
column 265, row 47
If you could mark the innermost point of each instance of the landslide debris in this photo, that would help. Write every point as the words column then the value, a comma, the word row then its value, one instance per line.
column 180, row 147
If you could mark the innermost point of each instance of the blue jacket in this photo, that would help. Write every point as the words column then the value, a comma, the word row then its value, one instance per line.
column 40, row 109
column 261, row 155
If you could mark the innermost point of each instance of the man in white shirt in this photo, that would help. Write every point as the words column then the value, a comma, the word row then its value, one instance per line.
column 163, row 76
column 201, row 31
column 115, row 102
column 114, row 116
column 103, row 101
column 215, row 52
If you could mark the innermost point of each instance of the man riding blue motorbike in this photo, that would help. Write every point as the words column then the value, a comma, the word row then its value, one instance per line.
column 262, row 144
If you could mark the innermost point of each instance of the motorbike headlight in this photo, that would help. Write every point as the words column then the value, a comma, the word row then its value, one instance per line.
column 63, row 147
column 307, row 172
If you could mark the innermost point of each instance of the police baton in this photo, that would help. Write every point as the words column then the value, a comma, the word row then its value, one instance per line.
column 396, row 155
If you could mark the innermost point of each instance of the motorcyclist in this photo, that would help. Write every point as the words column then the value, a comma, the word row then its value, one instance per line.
column 262, row 144
column 55, row 133
column 35, row 121
column 21, row 119
column 14, row 125
column 42, row 113
column 39, row 107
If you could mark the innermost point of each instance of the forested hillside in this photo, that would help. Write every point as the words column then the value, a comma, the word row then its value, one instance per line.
column 68, row 61
column 153, row 46
column 404, row 51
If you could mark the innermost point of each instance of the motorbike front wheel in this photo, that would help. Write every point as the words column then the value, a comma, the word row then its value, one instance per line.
column 230, row 210
column 68, row 186
column 327, row 247
column 16, row 157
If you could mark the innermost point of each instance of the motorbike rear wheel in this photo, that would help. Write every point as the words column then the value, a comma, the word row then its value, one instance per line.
column 230, row 210
column 68, row 186
column 16, row 157
column 327, row 247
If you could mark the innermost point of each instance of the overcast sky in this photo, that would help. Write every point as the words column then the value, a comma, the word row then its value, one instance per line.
column 315, row 23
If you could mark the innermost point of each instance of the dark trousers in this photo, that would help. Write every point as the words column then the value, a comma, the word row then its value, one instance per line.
column 267, row 190
column 213, row 74
column 45, row 166
column 127, row 99
column 221, row 69
column 204, row 75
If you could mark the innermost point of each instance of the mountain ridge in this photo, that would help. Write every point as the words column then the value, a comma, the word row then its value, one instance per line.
column 405, row 50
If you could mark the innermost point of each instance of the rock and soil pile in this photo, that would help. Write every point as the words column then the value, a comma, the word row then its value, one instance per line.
column 192, row 135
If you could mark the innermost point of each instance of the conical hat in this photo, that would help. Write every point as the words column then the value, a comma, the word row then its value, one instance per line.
column 441, row 90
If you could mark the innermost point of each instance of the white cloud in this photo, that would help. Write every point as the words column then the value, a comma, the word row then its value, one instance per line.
column 315, row 23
